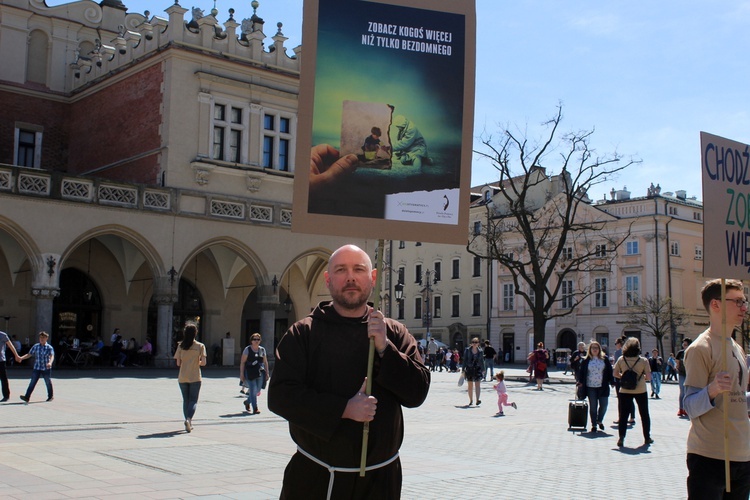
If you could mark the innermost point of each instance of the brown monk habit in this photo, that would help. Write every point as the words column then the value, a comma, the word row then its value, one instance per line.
column 322, row 362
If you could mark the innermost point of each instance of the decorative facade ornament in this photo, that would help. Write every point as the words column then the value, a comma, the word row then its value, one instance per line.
column 45, row 293
column 165, row 299
column 51, row 266
column 253, row 183
column 201, row 175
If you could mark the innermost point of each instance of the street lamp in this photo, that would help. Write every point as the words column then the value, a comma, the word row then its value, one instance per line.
column 398, row 290
column 427, row 294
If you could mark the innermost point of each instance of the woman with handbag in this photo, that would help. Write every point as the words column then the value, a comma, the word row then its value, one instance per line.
column 540, row 360
column 253, row 371
column 594, row 379
column 473, row 369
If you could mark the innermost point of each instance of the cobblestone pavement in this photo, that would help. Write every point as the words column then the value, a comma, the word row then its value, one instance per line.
column 119, row 434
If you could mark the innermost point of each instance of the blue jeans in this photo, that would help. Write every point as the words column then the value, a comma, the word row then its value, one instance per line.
column 35, row 374
column 597, row 404
column 681, row 381
column 253, row 388
column 490, row 367
column 656, row 382
column 190, row 391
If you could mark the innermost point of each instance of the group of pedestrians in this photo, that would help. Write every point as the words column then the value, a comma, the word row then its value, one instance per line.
column 713, row 394
column 326, row 397
column 439, row 357
column 707, row 389
column 595, row 374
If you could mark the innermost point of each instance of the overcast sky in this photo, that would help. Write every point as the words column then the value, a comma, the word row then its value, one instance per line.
column 647, row 76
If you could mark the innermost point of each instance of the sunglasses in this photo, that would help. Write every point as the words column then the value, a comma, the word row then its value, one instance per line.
column 254, row 340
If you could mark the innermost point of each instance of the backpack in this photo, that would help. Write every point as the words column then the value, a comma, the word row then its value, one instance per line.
column 629, row 379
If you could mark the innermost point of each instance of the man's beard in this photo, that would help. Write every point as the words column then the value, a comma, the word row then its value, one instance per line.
column 347, row 300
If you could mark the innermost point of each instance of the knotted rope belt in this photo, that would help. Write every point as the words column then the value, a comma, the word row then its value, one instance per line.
column 333, row 470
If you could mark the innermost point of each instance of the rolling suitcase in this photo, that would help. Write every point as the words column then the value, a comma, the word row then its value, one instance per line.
column 578, row 413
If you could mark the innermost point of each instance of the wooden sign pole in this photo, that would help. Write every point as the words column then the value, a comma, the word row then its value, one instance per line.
column 371, row 355
column 725, row 399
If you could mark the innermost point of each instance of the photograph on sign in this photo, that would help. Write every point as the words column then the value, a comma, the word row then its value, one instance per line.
column 386, row 112
column 725, row 167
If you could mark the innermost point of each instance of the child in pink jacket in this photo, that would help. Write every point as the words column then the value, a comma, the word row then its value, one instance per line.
column 502, row 394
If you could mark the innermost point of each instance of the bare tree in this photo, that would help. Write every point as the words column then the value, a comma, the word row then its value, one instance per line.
column 658, row 317
column 542, row 228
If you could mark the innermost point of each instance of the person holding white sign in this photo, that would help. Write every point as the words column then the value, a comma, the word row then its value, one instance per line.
column 707, row 384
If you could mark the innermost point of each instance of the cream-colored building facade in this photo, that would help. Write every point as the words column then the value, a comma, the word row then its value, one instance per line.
column 146, row 170
column 444, row 291
column 661, row 257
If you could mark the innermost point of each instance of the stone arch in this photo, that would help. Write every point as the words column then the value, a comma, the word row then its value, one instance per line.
column 311, row 266
column 250, row 259
column 458, row 334
column 233, row 286
column 19, row 246
column 97, row 255
column 152, row 257
column 20, row 261
column 567, row 339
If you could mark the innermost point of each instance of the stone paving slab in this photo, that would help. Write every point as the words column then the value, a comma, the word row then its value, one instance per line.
column 118, row 434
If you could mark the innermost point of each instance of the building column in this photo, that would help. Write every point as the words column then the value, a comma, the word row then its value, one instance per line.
column 165, row 297
column 268, row 301
column 45, row 287
column 43, row 303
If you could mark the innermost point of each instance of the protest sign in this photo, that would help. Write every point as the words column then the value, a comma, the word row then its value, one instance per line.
column 725, row 166
column 387, row 91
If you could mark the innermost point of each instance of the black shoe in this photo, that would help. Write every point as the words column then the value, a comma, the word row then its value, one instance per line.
column 620, row 442
column 648, row 441
column 247, row 406
column 24, row 399
column 479, row 402
column 50, row 398
column 3, row 400
column 601, row 426
column 593, row 429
